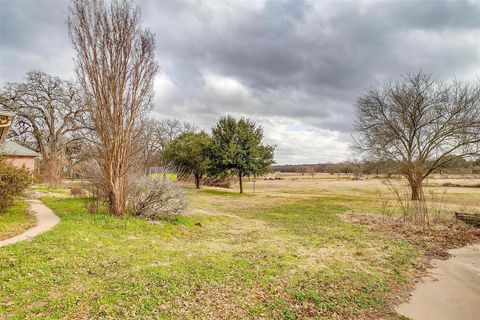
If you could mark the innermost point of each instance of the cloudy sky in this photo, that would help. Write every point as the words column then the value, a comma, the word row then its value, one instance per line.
column 296, row 67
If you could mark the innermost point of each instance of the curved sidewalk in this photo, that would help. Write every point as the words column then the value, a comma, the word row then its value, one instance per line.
column 46, row 220
column 450, row 291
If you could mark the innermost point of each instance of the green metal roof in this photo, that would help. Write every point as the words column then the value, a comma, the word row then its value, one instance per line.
column 10, row 148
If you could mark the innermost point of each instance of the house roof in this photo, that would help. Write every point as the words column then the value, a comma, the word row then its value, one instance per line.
column 10, row 148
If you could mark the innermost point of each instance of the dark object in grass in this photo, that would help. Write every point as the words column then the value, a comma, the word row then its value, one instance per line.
column 470, row 218
column 198, row 224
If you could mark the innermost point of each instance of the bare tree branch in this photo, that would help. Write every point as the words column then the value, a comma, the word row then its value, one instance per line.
column 420, row 123
column 46, row 110
column 115, row 66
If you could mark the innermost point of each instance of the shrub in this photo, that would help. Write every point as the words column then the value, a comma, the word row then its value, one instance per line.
column 77, row 191
column 155, row 198
column 13, row 181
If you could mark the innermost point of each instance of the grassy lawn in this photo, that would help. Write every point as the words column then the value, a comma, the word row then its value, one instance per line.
column 254, row 256
column 15, row 220
column 50, row 190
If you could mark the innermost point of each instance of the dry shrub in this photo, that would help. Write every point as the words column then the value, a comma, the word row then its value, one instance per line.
column 155, row 198
column 413, row 211
column 13, row 181
column 90, row 171
column 388, row 210
column 432, row 208
column 77, row 192
column 151, row 197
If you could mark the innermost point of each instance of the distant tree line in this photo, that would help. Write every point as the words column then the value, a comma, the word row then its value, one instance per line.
column 380, row 168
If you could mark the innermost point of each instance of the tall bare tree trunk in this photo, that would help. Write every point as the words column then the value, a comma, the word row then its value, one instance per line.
column 116, row 69
column 197, row 181
column 117, row 199
column 417, row 190
column 241, row 182
column 416, row 186
column 52, row 170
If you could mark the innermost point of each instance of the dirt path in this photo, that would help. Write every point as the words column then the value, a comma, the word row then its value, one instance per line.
column 450, row 291
column 46, row 220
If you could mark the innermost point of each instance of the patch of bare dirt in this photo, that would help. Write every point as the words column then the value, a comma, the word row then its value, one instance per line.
column 434, row 240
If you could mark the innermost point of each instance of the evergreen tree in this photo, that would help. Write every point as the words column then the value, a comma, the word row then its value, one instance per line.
column 190, row 152
column 237, row 149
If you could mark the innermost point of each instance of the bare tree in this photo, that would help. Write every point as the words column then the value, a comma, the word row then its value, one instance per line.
column 421, row 124
column 152, row 145
column 157, row 134
column 47, row 109
column 115, row 66
column 168, row 130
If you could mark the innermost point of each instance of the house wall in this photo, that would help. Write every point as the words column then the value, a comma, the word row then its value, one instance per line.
column 28, row 162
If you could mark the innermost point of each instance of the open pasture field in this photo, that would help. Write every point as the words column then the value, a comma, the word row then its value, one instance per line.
column 281, row 253
column 449, row 193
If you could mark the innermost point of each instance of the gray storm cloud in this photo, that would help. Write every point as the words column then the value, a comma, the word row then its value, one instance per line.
column 296, row 67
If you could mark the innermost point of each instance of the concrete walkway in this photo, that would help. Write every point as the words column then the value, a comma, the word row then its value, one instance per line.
column 450, row 291
column 46, row 220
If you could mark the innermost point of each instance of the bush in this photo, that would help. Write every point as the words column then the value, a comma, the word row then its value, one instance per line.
column 155, row 198
column 77, row 191
column 13, row 181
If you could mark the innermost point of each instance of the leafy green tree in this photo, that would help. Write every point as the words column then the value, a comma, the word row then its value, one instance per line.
column 237, row 149
column 190, row 152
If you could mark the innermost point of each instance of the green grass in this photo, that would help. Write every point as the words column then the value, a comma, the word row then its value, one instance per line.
column 15, row 220
column 50, row 189
column 223, row 193
column 354, row 269
column 251, row 257
column 169, row 176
